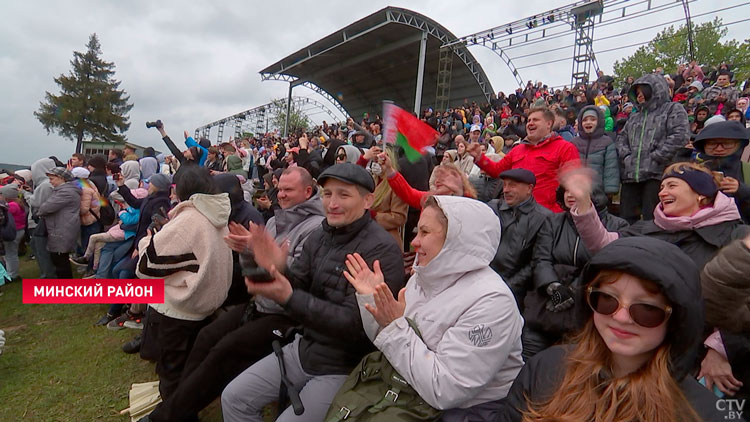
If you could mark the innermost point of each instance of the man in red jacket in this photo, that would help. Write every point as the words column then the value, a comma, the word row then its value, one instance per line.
column 543, row 152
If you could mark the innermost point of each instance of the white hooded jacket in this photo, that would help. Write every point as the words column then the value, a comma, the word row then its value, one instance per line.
column 470, row 351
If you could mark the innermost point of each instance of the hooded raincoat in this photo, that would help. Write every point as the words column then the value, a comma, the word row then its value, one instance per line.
column 677, row 276
column 599, row 153
column 652, row 135
column 470, row 350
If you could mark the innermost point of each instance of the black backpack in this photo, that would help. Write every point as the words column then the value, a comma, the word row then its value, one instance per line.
column 7, row 225
column 106, row 215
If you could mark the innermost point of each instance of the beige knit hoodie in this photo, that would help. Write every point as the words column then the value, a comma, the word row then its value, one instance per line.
column 189, row 253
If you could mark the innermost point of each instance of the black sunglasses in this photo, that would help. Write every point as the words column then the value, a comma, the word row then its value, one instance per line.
column 643, row 314
column 341, row 156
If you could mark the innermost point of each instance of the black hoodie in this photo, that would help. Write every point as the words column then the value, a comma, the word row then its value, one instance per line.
column 242, row 213
column 677, row 275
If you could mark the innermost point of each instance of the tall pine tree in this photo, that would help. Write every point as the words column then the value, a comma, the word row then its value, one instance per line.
column 90, row 105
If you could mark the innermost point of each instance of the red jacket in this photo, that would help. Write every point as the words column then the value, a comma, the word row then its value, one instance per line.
column 544, row 160
column 408, row 194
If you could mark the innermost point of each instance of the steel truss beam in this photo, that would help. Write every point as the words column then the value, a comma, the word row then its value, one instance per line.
column 260, row 116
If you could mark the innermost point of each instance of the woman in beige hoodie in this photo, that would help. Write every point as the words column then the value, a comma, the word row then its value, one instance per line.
column 190, row 254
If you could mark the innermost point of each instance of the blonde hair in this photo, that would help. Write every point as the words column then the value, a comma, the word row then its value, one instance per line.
column 469, row 190
column 684, row 166
column 588, row 391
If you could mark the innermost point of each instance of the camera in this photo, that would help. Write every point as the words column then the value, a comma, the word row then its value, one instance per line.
column 157, row 124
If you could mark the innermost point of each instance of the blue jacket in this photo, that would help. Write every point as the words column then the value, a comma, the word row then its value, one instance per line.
column 190, row 142
column 129, row 221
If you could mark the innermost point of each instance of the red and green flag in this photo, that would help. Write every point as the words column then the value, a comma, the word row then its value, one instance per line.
column 402, row 128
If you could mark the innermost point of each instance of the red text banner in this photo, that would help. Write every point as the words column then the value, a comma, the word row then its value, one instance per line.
column 93, row 291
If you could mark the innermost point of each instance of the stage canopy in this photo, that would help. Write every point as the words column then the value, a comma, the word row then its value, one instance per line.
column 379, row 58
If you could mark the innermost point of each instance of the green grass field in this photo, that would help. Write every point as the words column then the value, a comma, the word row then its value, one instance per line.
column 57, row 366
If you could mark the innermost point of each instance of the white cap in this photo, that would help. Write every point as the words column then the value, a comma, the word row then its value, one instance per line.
column 80, row 172
column 475, row 127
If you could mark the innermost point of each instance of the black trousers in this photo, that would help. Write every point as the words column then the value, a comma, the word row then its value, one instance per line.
column 638, row 199
column 62, row 265
column 168, row 341
column 223, row 349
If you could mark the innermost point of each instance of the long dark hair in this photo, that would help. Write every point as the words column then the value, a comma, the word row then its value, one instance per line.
column 192, row 180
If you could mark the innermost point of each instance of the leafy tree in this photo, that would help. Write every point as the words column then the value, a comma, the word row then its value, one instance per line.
column 90, row 103
column 298, row 121
column 670, row 47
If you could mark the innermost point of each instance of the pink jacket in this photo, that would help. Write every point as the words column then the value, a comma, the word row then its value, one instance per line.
column 18, row 213
column 89, row 203
column 595, row 236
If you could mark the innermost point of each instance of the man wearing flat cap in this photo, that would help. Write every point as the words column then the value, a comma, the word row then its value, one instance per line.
column 521, row 218
column 315, row 292
column 61, row 215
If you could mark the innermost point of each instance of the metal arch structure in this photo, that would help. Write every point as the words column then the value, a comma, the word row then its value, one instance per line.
column 576, row 19
column 524, row 30
column 262, row 116
column 376, row 58
column 307, row 84
column 417, row 21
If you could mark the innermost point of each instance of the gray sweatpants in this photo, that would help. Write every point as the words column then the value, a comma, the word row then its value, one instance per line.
column 244, row 398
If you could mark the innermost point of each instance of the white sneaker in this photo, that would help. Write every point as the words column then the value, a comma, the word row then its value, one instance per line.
column 2, row 341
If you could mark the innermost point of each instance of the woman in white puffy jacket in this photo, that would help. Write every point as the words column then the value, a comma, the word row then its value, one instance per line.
column 470, row 350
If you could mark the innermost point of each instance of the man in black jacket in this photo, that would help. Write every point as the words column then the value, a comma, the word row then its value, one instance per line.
column 243, row 335
column 521, row 218
column 315, row 292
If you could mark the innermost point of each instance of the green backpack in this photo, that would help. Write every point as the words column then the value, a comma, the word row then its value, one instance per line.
column 746, row 173
column 375, row 392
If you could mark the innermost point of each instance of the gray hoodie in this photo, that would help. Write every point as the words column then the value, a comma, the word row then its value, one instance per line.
column 653, row 134
column 291, row 225
column 470, row 350
column 42, row 187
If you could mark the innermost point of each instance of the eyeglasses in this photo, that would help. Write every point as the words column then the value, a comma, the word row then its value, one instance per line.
column 341, row 157
column 726, row 144
column 643, row 314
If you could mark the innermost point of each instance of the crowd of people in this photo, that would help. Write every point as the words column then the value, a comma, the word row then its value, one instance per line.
column 572, row 254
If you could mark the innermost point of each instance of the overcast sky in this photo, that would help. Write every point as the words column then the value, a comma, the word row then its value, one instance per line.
column 191, row 63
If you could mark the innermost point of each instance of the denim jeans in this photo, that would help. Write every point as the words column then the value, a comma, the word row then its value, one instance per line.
column 111, row 254
column 43, row 260
column 11, row 254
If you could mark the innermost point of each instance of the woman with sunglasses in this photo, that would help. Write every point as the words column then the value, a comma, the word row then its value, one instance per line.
column 348, row 154
column 631, row 360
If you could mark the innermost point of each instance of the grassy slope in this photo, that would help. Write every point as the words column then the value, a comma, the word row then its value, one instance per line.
column 58, row 367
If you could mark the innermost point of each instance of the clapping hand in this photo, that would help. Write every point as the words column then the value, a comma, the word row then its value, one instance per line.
column 360, row 276
column 387, row 309
column 267, row 252
column 238, row 239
